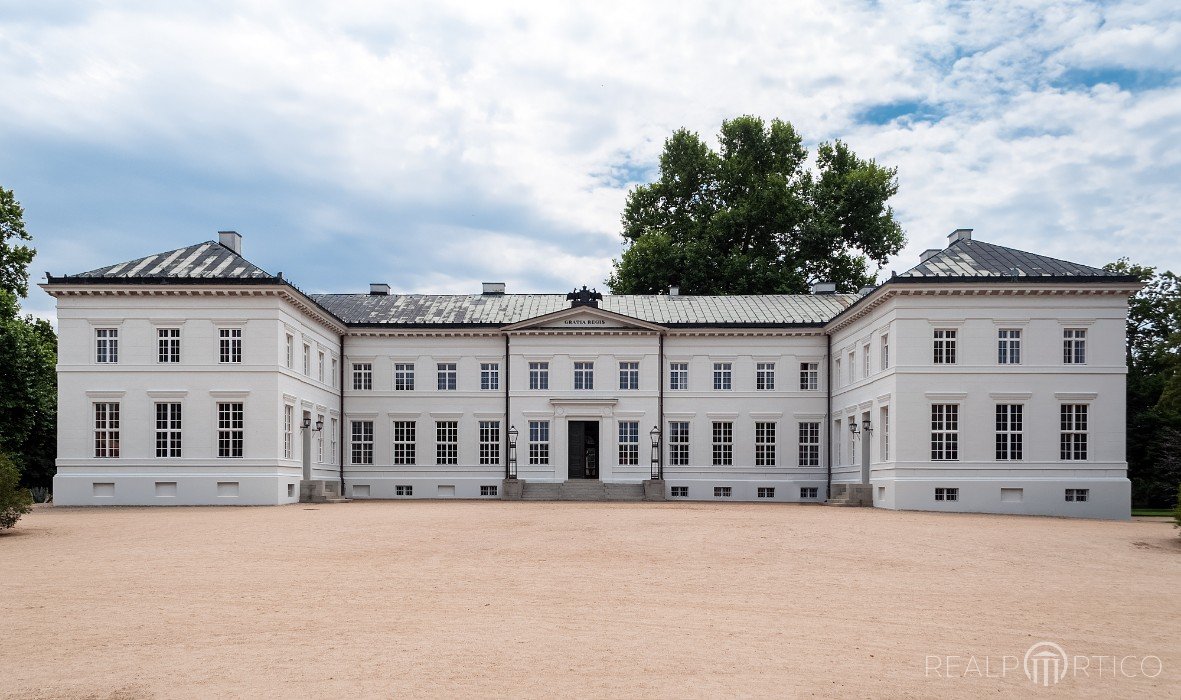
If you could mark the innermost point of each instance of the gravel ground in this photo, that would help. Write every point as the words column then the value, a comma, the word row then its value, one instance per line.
column 384, row 599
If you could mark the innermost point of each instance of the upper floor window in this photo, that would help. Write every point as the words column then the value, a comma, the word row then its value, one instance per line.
column 333, row 378
column 865, row 360
column 229, row 345
column 945, row 431
column 629, row 442
column 836, row 370
column 447, row 376
column 678, row 443
column 945, row 346
column 1008, row 346
column 320, row 367
column 168, row 345
column 678, row 376
column 1074, row 431
column 852, row 367
column 489, row 376
column 723, row 375
column 809, row 376
column 168, row 430
column 290, row 351
column 403, row 376
column 584, row 375
column 1074, row 346
column 106, row 429
column 307, row 360
column 809, row 455
column 231, row 429
column 885, row 352
column 539, row 375
column 629, row 375
column 106, row 345
column 765, row 376
column 362, row 376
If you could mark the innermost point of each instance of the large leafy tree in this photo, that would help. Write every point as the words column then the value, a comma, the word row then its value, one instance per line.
column 754, row 217
column 28, row 353
column 1154, row 385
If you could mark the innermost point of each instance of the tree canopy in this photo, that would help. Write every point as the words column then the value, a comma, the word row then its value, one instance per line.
column 755, row 218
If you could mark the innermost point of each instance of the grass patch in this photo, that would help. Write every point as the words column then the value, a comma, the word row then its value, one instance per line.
column 1157, row 512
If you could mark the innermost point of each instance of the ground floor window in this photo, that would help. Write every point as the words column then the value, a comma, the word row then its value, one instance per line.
column 538, row 442
column 764, row 444
column 678, row 443
column 723, row 445
column 489, row 490
column 489, row 443
column 168, row 430
column 945, row 435
column 947, row 494
column 809, row 444
column 403, row 490
column 1077, row 495
column 1074, row 432
column 106, row 429
column 809, row 491
column 629, row 442
column 447, row 442
column 230, row 429
column 680, row 491
column 404, row 442
column 1009, row 420
column 362, row 442
column 722, row 491
column 766, row 492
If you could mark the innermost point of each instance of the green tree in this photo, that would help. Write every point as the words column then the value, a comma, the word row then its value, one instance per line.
column 754, row 218
column 14, row 500
column 28, row 352
column 1154, row 385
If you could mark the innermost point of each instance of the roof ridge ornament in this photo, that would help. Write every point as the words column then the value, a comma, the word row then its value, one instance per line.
column 584, row 297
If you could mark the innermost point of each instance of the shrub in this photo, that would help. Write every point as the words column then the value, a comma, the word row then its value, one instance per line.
column 14, row 501
column 1177, row 509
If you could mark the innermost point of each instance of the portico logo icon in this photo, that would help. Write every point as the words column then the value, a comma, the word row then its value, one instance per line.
column 1046, row 663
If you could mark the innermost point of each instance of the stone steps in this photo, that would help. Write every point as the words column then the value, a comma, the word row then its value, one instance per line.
column 581, row 490
column 851, row 496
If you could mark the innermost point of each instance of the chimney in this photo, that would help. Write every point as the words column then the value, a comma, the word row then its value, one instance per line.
column 928, row 254
column 865, row 290
column 379, row 289
column 231, row 240
column 960, row 234
column 824, row 287
column 493, row 288
column 674, row 291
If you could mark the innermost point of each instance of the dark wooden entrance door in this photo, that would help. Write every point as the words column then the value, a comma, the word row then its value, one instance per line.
column 584, row 449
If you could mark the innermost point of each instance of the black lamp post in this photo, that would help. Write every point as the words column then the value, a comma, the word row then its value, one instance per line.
column 657, row 469
column 511, row 468
column 866, row 427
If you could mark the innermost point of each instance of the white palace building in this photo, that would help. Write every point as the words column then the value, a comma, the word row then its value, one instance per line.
column 984, row 379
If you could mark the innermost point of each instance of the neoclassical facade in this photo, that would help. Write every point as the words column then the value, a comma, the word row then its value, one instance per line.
column 984, row 379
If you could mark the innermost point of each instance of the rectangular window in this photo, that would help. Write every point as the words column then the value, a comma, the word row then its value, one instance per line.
column 678, row 376
column 539, row 375
column 764, row 444
column 809, row 444
column 722, row 491
column 884, row 427
column 447, row 376
column 836, row 370
column 629, row 375
column 168, row 345
column 1074, row 432
column 629, row 442
column 584, row 375
column 403, row 490
column 538, row 442
column 320, row 439
column 332, row 379
column 946, row 494
column 809, row 376
column 885, row 352
column 403, row 376
column 231, row 429
column 678, row 443
column 229, row 345
column 723, row 445
column 1009, row 419
column 404, row 442
column 362, row 376
column 320, row 367
column 852, row 366
column 865, row 360
column 766, row 492
column 489, row 443
column 765, row 376
column 489, row 490
column 290, row 351
column 307, row 360
column 106, row 345
column 106, row 429
column 1008, row 346
column 332, row 442
column 447, row 442
column 679, row 491
column 836, row 441
column 1074, row 346
column 945, row 346
column 809, row 491
column 945, row 436
column 1077, row 495
column 723, row 376
column 361, row 446
column 288, row 432
column 168, row 430
column 489, row 376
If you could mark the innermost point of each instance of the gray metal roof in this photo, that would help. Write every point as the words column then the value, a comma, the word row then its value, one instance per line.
column 969, row 258
column 497, row 309
column 210, row 260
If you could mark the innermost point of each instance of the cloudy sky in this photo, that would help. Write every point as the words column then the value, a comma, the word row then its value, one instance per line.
column 437, row 145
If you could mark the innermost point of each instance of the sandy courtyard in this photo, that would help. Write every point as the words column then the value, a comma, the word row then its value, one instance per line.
column 503, row 599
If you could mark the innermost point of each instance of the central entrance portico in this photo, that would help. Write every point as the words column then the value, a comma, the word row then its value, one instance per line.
column 583, row 442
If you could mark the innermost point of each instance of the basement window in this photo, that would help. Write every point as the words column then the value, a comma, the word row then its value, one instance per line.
column 766, row 492
column 722, row 491
column 1077, row 495
column 489, row 490
column 403, row 490
column 809, row 491
column 680, row 491
column 947, row 494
